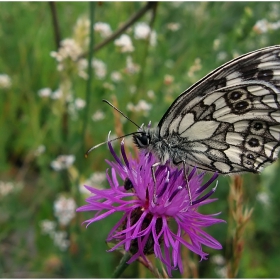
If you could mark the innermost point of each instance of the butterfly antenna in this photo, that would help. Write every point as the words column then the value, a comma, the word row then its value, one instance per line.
column 105, row 142
column 106, row 101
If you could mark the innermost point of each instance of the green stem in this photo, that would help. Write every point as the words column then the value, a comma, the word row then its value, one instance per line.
column 56, row 29
column 90, row 72
column 122, row 265
column 146, row 49
column 85, row 116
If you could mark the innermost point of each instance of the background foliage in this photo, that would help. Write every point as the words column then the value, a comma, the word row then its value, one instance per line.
column 35, row 130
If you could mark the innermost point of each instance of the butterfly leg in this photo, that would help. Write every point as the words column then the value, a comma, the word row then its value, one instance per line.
column 154, row 179
column 186, row 178
column 187, row 181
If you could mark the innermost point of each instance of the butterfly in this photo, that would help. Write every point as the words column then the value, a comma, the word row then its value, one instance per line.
column 228, row 122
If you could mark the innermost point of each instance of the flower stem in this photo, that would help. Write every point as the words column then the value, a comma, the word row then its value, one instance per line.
column 146, row 48
column 90, row 72
column 240, row 217
column 122, row 265
column 56, row 29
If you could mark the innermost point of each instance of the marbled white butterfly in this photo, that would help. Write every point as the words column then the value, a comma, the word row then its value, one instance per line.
column 229, row 121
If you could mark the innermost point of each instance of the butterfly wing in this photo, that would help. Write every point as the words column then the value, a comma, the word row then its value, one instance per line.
column 230, row 120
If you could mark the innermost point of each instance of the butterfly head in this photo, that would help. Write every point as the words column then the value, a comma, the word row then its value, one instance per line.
column 145, row 137
column 149, row 140
column 142, row 139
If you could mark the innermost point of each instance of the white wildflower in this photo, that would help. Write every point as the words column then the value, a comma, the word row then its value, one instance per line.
column 81, row 32
column 68, row 49
column 274, row 25
column 221, row 271
column 69, row 55
column 216, row 44
column 97, row 178
column 57, row 94
column 45, row 92
column 60, row 240
column 82, row 23
column 130, row 106
column 5, row 81
column 131, row 67
column 59, row 237
column 104, row 29
column 153, row 38
column 263, row 198
column 98, row 116
column 141, row 106
column 79, row 103
column 263, row 26
column 74, row 106
column 108, row 86
column 222, row 56
column 142, row 31
column 151, row 94
column 116, row 76
column 40, row 150
column 47, row 226
column 124, row 43
column 62, row 162
column 64, row 210
column 173, row 26
column 100, row 68
column 8, row 187
column 218, row 260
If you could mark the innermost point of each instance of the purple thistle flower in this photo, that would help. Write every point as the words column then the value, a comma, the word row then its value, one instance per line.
column 145, row 226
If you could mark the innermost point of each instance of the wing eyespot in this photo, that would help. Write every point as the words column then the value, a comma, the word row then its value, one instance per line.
column 253, row 142
column 235, row 95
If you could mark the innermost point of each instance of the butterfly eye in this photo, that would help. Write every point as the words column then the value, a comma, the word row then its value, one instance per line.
column 141, row 140
column 145, row 139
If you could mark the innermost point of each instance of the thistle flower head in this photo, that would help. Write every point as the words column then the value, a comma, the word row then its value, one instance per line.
column 147, row 227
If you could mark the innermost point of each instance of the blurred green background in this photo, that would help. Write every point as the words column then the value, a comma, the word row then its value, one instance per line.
column 47, row 113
